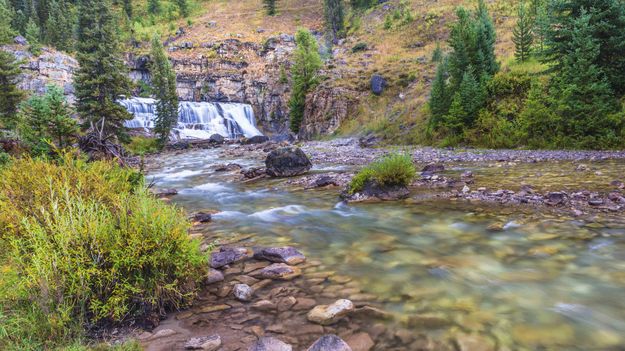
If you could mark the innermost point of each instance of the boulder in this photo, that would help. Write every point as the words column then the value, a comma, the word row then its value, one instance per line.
column 20, row 40
column 433, row 168
column 287, row 162
column 166, row 192
column 287, row 254
column 280, row 271
column 329, row 343
column 360, row 342
column 226, row 256
column 230, row 167
column 214, row 276
column 555, row 198
column 205, row 343
column 253, row 172
column 258, row 139
column 270, row 344
column 202, row 217
column 243, row 292
column 216, row 139
column 330, row 314
column 372, row 191
column 369, row 141
column 378, row 84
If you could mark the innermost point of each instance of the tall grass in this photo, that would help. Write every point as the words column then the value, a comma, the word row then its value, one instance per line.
column 391, row 170
column 85, row 244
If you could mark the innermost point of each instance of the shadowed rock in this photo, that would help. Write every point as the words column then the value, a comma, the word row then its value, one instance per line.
column 287, row 254
column 226, row 256
column 287, row 162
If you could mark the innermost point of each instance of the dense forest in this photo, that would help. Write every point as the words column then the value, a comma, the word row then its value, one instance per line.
column 87, row 244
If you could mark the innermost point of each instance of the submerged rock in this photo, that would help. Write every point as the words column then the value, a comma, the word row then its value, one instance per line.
column 360, row 342
column 330, row 314
column 243, row 292
column 226, row 256
column 202, row 217
column 330, row 343
column 206, row 343
column 372, row 191
column 287, row 254
column 555, row 198
column 270, row 344
column 214, row 276
column 287, row 162
column 280, row 271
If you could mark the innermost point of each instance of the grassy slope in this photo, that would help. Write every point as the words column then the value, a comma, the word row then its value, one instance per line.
column 402, row 54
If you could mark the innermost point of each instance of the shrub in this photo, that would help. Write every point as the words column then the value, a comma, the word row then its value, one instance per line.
column 361, row 46
column 140, row 145
column 85, row 243
column 391, row 170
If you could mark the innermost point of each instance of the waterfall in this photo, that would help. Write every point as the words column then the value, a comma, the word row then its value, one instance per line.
column 197, row 120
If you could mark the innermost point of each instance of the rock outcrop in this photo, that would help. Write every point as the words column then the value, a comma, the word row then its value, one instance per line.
column 326, row 109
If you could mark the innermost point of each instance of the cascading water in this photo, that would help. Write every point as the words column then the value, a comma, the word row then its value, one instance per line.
column 197, row 120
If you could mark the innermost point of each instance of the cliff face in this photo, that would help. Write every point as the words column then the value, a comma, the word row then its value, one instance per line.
column 326, row 109
column 51, row 67
column 233, row 71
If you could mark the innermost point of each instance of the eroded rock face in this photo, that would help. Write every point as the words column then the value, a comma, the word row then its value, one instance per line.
column 51, row 67
column 326, row 109
column 330, row 343
column 287, row 162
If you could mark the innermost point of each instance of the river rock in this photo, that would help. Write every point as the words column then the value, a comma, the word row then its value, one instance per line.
column 216, row 139
column 214, row 276
column 360, row 342
column 372, row 191
column 555, row 198
column 330, row 343
column 226, row 256
column 253, row 172
column 280, row 271
column 166, row 192
column 378, row 84
column 206, row 343
column 243, row 292
column 202, row 217
column 433, row 168
column 258, row 139
column 466, row 342
column 330, row 314
column 287, row 162
column 231, row 167
column 270, row 344
column 287, row 254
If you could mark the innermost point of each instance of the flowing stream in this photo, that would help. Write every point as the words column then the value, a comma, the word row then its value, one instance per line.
column 542, row 282
column 197, row 120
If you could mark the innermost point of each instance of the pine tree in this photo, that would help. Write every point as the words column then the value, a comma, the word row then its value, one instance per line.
column 334, row 17
column 6, row 18
column 606, row 23
column 10, row 95
column 60, row 25
column 304, row 71
column 154, row 7
column 23, row 12
column 586, row 99
column 362, row 4
column 523, row 37
column 102, row 78
column 183, row 6
column 270, row 7
column 486, row 61
column 128, row 8
column 164, row 87
column 439, row 95
column 32, row 35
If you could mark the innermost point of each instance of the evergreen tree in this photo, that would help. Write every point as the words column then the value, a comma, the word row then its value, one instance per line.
column 128, row 8
column 23, row 12
column 6, row 18
column 32, row 35
column 270, row 7
column 439, row 96
column 102, row 78
column 60, row 25
column 183, row 6
column 334, row 17
column 306, row 66
column 362, row 4
column 586, row 100
column 465, row 105
column 154, row 7
column 10, row 95
column 606, row 23
column 485, row 61
column 523, row 37
column 164, row 87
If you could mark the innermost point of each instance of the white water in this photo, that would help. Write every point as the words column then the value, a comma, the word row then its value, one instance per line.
column 197, row 120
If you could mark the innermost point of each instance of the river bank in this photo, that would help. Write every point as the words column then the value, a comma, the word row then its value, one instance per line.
column 416, row 270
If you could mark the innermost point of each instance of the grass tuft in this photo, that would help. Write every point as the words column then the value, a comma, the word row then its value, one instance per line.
column 391, row 170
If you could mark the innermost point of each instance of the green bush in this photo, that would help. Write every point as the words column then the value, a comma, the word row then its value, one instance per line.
column 361, row 46
column 391, row 170
column 140, row 145
column 83, row 244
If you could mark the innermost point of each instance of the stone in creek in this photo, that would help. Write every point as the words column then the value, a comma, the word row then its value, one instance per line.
column 202, row 217
column 595, row 202
column 280, row 271
column 287, row 254
column 555, row 198
column 226, row 256
column 214, row 276
column 360, row 342
column 258, row 139
column 243, row 292
column 427, row 321
column 270, row 344
column 253, row 172
column 304, row 303
column 206, row 343
column 433, row 168
column 473, row 343
column 231, row 167
column 264, row 305
column 372, row 191
column 330, row 343
column 216, row 139
column 287, row 162
column 166, row 192
column 330, row 314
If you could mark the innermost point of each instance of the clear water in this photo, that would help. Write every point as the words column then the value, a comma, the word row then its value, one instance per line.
column 544, row 282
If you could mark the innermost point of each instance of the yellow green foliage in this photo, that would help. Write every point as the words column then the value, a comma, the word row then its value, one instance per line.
column 85, row 243
column 390, row 170
column 140, row 145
